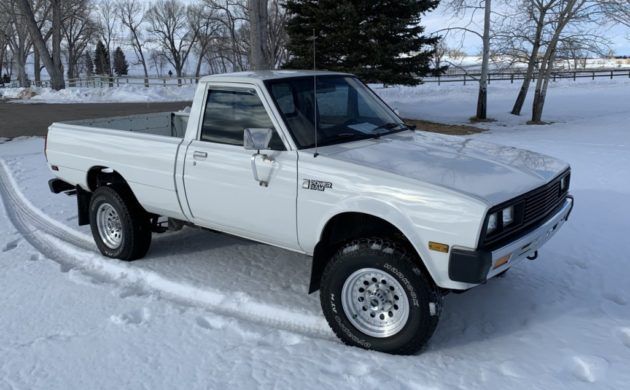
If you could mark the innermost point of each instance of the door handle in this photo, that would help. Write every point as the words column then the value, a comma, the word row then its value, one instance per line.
column 197, row 155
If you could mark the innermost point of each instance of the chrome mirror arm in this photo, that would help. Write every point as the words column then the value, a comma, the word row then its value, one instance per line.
column 265, row 158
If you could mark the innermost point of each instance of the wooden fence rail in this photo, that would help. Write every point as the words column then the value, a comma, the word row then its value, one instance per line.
column 465, row 78
column 515, row 76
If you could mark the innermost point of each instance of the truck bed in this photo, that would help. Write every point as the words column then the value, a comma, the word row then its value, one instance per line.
column 142, row 148
column 170, row 124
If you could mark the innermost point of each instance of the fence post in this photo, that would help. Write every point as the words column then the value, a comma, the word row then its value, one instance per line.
column 593, row 78
column 512, row 78
column 574, row 75
column 611, row 74
column 465, row 78
column 554, row 77
column 438, row 79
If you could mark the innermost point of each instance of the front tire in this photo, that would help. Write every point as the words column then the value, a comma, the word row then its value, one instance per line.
column 120, row 227
column 375, row 296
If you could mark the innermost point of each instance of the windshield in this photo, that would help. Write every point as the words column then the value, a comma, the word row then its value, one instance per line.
column 346, row 110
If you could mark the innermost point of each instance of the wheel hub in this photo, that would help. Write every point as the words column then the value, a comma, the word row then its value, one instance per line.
column 375, row 302
column 109, row 225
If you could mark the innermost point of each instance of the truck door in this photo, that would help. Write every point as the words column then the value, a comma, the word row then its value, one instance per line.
column 219, row 173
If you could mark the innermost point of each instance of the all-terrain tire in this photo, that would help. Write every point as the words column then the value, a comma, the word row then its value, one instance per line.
column 401, row 264
column 134, row 224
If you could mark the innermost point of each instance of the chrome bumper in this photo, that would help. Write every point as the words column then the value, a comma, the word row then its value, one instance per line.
column 476, row 267
column 530, row 243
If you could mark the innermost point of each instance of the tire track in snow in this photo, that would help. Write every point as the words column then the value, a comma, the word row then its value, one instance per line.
column 75, row 250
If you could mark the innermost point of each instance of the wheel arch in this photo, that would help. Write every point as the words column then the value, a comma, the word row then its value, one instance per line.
column 100, row 175
column 349, row 225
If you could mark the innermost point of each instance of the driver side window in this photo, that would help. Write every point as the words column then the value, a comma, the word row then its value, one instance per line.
column 229, row 112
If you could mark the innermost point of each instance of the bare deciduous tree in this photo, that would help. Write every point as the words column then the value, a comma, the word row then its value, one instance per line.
column 440, row 50
column 168, row 20
column 460, row 7
column 132, row 15
column 277, row 35
column 4, row 41
column 78, row 30
column 202, row 21
column 52, row 61
column 108, row 30
column 232, row 14
column 18, row 39
column 565, row 13
column 617, row 10
column 522, row 37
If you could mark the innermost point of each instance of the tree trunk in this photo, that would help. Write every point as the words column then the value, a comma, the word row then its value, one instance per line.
column 20, row 63
column 531, row 65
column 141, row 56
column 56, row 76
column 198, row 67
column 179, row 72
column 482, row 100
column 258, row 34
column 541, row 90
column 37, row 67
column 71, row 67
column 544, row 73
column 56, row 36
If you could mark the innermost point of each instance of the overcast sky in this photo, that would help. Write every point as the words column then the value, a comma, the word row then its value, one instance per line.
column 442, row 18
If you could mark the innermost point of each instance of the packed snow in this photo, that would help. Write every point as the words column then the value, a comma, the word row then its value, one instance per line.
column 205, row 310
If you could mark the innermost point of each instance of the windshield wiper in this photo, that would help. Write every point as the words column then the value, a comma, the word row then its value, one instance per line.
column 386, row 126
column 342, row 137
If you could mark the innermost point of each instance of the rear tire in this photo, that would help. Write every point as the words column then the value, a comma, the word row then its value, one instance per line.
column 120, row 227
column 375, row 296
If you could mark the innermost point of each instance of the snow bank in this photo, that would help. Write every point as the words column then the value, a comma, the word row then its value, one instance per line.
column 122, row 94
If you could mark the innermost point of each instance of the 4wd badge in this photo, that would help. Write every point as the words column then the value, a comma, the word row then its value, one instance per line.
column 316, row 185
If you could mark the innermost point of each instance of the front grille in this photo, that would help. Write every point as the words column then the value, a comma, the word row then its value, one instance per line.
column 540, row 202
column 531, row 210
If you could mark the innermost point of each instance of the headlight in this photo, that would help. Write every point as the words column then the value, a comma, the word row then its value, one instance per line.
column 508, row 215
column 507, row 219
column 492, row 223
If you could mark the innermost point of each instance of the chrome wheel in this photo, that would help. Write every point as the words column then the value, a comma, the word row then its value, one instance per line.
column 375, row 303
column 109, row 225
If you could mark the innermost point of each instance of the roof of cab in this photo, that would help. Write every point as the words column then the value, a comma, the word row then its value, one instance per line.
column 267, row 75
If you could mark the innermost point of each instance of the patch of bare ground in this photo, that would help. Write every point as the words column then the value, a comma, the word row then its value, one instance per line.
column 444, row 128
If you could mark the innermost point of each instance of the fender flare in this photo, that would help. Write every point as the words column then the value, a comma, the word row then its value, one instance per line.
column 382, row 210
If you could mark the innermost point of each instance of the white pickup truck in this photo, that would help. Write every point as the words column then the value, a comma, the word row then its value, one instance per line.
column 394, row 218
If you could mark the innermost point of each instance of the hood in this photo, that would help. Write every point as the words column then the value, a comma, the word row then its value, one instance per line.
column 489, row 172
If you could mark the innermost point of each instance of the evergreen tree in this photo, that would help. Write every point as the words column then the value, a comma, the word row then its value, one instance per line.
column 380, row 41
column 88, row 64
column 121, row 66
column 101, row 60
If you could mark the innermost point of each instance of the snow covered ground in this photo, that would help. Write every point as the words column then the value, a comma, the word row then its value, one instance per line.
column 205, row 310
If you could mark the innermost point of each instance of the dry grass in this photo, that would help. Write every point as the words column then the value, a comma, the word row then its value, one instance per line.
column 443, row 128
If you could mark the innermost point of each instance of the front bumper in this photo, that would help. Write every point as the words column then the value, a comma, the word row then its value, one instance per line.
column 474, row 266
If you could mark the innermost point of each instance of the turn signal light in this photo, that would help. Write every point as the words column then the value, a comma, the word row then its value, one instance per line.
column 436, row 246
column 502, row 261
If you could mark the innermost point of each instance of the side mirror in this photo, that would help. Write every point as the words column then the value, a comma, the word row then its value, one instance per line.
column 257, row 139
